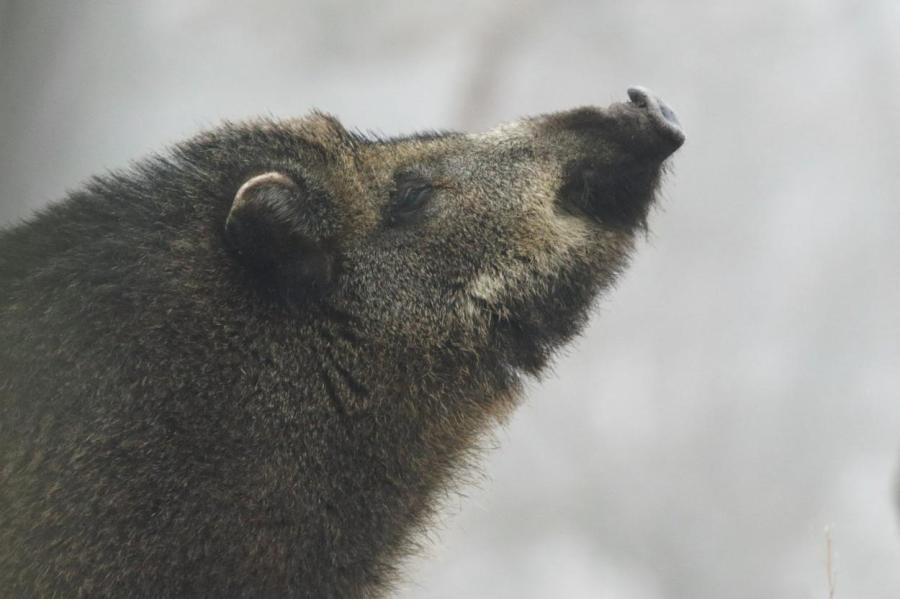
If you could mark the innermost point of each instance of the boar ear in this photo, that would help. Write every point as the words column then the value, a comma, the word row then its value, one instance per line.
column 271, row 235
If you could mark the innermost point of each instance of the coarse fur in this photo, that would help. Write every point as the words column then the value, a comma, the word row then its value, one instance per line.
column 247, row 368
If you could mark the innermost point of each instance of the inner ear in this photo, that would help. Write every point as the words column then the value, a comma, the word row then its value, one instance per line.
column 272, row 230
column 252, row 186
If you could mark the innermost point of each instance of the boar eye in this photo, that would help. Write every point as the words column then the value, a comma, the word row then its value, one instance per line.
column 410, row 200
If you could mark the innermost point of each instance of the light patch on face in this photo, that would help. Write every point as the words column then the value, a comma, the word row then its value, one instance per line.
column 547, row 242
column 543, row 245
column 550, row 243
column 531, row 263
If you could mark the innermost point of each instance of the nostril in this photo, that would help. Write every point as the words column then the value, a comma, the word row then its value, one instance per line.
column 638, row 96
column 668, row 114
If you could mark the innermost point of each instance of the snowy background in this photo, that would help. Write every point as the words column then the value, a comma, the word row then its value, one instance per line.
column 738, row 393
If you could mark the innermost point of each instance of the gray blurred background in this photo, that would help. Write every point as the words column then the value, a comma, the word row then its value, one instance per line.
column 738, row 393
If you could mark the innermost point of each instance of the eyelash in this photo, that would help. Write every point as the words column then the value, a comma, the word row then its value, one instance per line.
column 409, row 200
